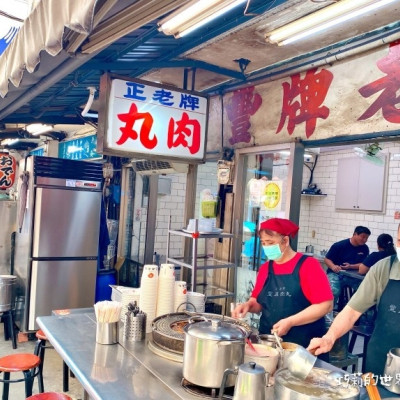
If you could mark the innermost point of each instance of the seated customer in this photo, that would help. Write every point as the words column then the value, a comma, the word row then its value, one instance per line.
column 344, row 255
column 385, row 249
column 380, row 287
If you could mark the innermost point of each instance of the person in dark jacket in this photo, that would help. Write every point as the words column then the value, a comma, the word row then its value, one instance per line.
column 385, row 249
column 344, row 255
column 380, row 287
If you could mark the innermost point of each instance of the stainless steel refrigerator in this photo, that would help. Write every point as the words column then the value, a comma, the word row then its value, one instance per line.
column 56, row 244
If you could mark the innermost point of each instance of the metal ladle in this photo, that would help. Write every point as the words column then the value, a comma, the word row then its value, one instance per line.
column 277, row 339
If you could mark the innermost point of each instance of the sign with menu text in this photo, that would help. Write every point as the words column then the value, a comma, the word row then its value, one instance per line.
column 143, row 119
column 8, row 168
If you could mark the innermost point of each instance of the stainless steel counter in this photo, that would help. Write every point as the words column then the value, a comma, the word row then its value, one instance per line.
column 120, row 372
column 112, row 371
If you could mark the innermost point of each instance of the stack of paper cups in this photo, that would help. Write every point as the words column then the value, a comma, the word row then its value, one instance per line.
column 180, row 296
column 196, row 300
column 131, row 295
column 166, row 288
column 148, row 293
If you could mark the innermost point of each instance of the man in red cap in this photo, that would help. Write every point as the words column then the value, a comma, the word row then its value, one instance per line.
column 292, row 291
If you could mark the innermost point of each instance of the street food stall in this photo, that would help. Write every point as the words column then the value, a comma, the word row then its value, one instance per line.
column 133, row 370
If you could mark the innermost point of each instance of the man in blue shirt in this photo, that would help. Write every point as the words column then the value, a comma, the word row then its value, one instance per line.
column 345, row 255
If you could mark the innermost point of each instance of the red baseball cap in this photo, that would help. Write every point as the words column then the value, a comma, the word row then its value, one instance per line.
column 280, row 225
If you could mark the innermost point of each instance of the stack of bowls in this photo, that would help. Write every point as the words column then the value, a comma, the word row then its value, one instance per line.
column 148, row 293
column 196, row 300
column 180, row 296
column 166, row 288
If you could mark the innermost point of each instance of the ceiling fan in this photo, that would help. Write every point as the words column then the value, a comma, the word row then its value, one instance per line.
column 370, row 153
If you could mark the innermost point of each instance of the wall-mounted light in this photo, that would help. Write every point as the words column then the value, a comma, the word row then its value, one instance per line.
column 38, row 129
column 137, row 14
column 325, row 18
column 194, row 15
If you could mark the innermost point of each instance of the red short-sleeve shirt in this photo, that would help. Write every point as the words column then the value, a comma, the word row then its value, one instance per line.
column 313, row 280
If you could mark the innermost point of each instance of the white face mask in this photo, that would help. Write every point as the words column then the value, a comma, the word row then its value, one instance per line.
column 398, row 253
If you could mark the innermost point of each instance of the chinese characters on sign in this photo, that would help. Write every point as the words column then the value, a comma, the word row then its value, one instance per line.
column 389, row 85
column 318, row 98
column 303, row 98
column 243, row 104
column 8, row 168
column 146, row 119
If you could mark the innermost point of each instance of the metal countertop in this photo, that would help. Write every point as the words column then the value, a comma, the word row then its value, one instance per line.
column 121, row 370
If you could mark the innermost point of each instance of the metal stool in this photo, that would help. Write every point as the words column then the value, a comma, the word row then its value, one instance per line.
column 365, row 331
column 39, row 350
column 26, row 363
column 49, row 396
column 9, row 331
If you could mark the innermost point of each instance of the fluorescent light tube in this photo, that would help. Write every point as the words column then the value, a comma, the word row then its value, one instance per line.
column 325, row 18
column 194, row 15
column 38, row 129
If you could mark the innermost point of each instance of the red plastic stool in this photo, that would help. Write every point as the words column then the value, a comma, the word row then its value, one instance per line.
column 40, row 348
column 26, row 363
column 49, row 396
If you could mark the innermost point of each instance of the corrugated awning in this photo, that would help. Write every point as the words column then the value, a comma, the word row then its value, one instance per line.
column 43, row 30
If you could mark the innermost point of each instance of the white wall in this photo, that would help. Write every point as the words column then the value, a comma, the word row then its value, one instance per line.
column 174, row 205
column 318, row 213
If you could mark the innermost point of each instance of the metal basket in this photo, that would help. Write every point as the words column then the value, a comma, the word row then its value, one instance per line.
column 135, row 327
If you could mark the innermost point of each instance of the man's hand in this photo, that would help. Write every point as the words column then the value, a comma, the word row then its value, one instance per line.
column 283, row 326
column 241, row 310
column 321, row 345
column 336, row 268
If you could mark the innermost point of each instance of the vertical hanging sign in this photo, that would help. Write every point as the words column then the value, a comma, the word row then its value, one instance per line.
column 8, row 167
column 142, row 119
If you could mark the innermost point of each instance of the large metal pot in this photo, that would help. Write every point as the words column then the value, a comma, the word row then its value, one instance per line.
column 392, row 369
column 316, row 386
column 210, row 347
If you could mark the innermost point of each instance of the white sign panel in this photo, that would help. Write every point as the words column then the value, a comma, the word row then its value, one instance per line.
column 154, row 121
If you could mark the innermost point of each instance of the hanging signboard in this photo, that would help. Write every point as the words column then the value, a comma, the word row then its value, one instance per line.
column 81, row 148
column 140, row 119
column 8, row 167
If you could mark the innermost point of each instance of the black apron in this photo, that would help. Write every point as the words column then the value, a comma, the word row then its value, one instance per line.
column 387, row 328
column 282, row 297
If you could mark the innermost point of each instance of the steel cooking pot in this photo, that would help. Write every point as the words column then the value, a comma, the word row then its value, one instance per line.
column 392, row 369
column 211, row 347
column 316, row 386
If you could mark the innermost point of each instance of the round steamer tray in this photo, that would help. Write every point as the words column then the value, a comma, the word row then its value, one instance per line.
column 160, row 351
column 169, row 339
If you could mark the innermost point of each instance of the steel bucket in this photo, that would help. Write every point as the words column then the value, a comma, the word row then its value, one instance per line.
column 7, row 292
column 392, row 369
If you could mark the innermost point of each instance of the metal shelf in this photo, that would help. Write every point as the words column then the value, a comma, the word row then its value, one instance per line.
column 201, row 263
column 222, row 235
column 214, row 292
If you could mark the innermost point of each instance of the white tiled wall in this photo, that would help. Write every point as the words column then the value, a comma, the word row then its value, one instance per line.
column 318, row 213
column 174, row 205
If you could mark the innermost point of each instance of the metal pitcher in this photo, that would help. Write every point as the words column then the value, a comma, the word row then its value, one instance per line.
column 310, row 249
column 250, row 384
column 392, row 368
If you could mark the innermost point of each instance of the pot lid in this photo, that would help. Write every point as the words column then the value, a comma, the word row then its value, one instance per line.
column 215, row 330
column 252, row 368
